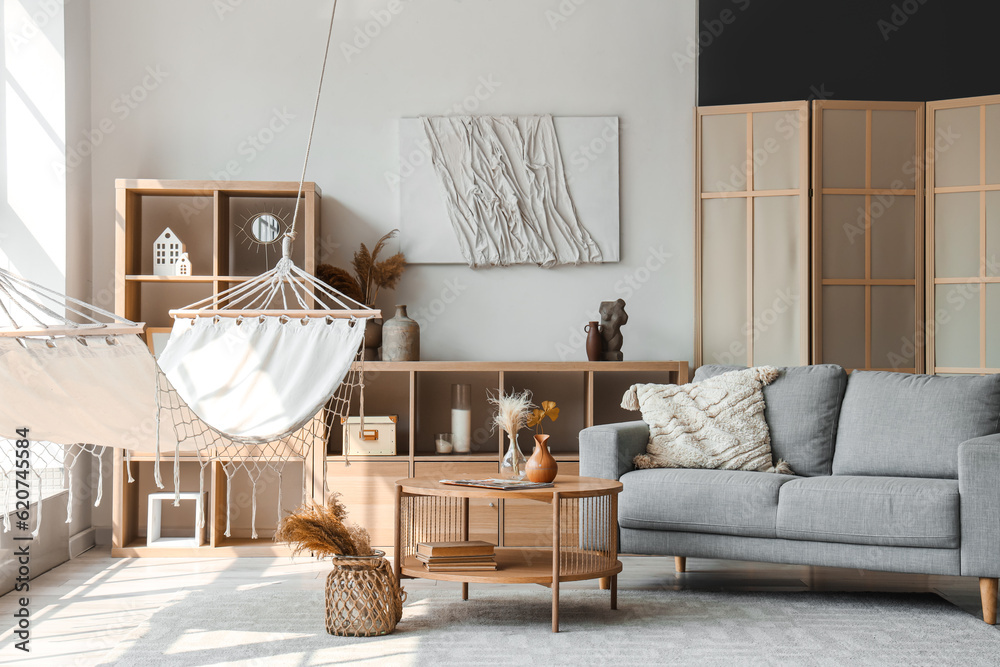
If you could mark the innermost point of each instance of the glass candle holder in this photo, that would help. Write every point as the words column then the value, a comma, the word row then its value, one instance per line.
column 442, row 443
column 461, row 418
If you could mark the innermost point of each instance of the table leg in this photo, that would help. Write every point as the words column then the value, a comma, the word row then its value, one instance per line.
column 614, row 592
column 604, row 583
column 397, row 551
column 465, row 590
column 555, row 561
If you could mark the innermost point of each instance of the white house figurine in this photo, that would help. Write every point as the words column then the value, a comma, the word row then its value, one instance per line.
column 183, row 265
column 167, row 251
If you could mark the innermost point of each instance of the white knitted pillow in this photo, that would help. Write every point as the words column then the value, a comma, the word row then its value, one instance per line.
column 717, row 423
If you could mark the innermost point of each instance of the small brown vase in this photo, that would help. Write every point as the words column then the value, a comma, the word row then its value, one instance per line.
column 542, row 466
column 595, row 344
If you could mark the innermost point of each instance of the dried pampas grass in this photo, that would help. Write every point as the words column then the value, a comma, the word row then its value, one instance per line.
column 512, row 411
column 370, row 275
column 321, row 529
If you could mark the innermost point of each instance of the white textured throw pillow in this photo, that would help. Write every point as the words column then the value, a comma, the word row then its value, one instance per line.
column 717, row 423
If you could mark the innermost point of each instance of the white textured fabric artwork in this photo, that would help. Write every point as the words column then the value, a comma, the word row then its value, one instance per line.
column 717, row 423
column 259, row 378
column 505, row 190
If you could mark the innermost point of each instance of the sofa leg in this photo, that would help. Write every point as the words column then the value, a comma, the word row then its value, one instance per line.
column 680, row 563
column 988, row 593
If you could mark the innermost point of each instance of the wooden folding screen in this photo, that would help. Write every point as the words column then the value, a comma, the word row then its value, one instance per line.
column 963, row 235
column 867, row 245
column 752, row 234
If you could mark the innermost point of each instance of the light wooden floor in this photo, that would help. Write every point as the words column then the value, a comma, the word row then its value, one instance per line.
column 83, row 608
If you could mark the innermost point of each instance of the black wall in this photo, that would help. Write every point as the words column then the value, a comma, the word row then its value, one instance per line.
column 776, row 50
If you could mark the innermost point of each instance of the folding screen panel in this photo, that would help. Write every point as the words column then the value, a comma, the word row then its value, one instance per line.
column 868, row 234
column 963, row 235
column 752, row 234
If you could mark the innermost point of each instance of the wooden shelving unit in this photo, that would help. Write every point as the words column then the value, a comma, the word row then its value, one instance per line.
column 418, row 393
column 203, row 214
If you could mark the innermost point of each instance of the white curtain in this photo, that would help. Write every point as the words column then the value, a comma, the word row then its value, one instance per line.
column 506, row 192
column 259, row 378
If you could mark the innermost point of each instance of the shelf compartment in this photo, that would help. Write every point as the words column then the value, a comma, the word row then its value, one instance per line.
column 610, row 386
column 569, row 391
column 515, row 566
column 433, row 392
column 386, row 393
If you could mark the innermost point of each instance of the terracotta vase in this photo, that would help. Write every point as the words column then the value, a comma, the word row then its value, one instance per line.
column 542, row 466
column 595, row 344
column 401, row 338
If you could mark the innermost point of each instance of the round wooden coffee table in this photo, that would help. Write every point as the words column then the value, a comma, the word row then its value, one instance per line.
column 584, row 534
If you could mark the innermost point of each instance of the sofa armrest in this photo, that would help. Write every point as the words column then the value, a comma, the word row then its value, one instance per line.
column 607, row 451
column 979, row 494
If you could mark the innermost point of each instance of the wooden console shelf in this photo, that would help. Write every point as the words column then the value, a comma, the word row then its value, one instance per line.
column 418, row 393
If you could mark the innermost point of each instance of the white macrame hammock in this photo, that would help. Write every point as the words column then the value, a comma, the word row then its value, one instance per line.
column 253, row 377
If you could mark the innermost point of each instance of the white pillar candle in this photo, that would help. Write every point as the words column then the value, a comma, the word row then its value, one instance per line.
column 461, row 430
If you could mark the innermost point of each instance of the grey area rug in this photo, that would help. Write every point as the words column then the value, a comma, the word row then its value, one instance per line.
column 274, row 626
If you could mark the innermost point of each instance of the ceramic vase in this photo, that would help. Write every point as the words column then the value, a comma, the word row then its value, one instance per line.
column 512, row 466
column 401, row 338
column 595, row 344
column 373, row 338
column 542, row 466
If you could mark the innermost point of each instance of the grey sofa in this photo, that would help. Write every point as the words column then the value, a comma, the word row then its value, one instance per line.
column 894, row 472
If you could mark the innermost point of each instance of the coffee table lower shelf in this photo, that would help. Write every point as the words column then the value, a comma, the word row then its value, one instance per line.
column 514, row 566
column 584, row 534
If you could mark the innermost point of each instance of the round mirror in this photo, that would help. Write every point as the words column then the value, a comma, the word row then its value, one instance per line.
column 266, row 228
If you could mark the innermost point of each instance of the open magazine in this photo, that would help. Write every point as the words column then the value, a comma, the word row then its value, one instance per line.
column 498, row 484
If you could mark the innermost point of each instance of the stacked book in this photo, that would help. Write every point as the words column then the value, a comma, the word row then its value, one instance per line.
column 457, row 556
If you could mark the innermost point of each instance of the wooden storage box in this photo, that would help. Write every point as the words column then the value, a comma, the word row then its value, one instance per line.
column 378, row 438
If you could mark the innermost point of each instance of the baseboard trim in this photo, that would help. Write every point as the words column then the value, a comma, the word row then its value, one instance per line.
column 81, row 542
column 102, row 536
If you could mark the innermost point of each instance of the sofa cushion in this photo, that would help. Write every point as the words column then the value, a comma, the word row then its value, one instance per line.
column 729, row 502
column 802, row 408
column 903, row 425
column 883, row 511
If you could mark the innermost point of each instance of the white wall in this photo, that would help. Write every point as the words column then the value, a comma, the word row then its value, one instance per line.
column 45, row 216
column 180, row 86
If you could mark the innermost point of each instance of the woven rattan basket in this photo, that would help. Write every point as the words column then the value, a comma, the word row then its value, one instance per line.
column 363, row 598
